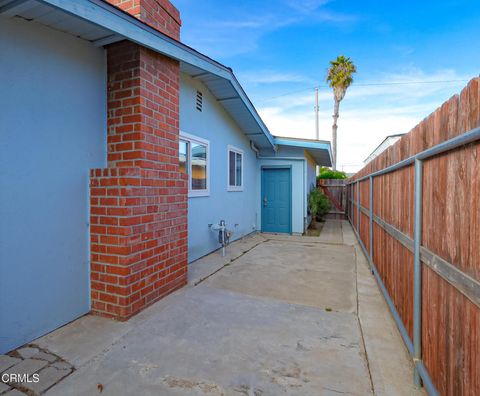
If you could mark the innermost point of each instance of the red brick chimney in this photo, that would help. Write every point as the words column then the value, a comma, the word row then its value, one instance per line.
column 139, row 203
column 159, row 14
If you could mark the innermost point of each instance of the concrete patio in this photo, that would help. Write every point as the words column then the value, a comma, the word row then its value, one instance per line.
column 278, row 315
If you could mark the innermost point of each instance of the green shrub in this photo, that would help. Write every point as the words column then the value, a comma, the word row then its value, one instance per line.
column 324, row 206
column 314, row 201
column 327, row 173
column 318, row 203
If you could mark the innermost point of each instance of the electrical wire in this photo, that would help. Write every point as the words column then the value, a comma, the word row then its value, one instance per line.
column 366, row 85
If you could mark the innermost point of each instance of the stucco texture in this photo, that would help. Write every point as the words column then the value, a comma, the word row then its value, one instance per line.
column 53, row 130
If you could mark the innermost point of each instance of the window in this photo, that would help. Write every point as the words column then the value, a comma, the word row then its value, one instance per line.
column 193, row 161
column 199, row 166
column 183, row 156
column 235, row 169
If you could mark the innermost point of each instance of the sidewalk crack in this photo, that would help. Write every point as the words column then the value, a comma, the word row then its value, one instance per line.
column 231, row 261
column 367, row 361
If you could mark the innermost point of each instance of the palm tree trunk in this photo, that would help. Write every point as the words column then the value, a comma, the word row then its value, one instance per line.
column 334, row 133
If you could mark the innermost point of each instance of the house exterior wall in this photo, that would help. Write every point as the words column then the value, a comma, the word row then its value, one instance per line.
column 52, row 131
column 237, row 208
column 288, row 151
column 311, row 182
column 311, row 172
column 389, row 141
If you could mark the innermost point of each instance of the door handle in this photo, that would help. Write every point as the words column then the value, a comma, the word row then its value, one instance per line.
column 265, row 201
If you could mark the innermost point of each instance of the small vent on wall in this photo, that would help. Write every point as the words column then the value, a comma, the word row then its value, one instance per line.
column 199, row 103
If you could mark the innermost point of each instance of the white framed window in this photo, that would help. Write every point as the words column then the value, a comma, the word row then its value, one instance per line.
column 235, row 169
column 194, row 160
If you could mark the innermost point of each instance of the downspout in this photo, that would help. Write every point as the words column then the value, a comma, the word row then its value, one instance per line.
column 254, row 148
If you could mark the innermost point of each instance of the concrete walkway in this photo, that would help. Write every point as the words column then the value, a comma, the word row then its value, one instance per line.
column 279, row 315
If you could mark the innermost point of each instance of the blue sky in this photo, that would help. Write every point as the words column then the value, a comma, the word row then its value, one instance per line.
column 280, row 49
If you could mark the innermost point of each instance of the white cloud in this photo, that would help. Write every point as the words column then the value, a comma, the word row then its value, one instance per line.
column 272, row 77
column 306, row 6
column 367, row 114
column 266, row 21
column 388, row 93
column 225, row 37
column 403, row 50
column 358, row 134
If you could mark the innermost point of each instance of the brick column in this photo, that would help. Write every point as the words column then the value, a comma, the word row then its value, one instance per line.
column 139, row 203
column 159, row 14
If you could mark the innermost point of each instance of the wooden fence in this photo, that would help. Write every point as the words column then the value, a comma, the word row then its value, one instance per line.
column 335, row 190
column 418, row 222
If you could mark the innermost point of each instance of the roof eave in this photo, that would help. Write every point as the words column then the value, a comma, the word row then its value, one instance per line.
column 312, row 146
column 126, row 27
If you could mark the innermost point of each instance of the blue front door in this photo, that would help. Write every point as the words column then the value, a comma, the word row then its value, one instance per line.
column 276, row 200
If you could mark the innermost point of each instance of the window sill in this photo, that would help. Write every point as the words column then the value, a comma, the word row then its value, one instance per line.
column 195, row 194
column 234, row 189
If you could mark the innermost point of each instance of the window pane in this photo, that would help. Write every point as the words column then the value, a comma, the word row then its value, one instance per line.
column 199, row 166
column 231, row 168
column 182, row 156
column 239, row 170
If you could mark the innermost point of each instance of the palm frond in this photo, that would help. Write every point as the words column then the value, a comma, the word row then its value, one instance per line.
column 340, row 74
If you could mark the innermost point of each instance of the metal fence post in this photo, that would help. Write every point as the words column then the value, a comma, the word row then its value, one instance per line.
column 353, row 197
column 370, row 204
column 349, row 202
column 358, row 208
column 417, row 271
column 347, row 205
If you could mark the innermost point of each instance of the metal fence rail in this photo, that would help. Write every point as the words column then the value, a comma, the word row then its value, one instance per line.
column 465, row 284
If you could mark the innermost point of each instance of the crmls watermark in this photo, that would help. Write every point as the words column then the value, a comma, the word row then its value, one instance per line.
column 18, row 378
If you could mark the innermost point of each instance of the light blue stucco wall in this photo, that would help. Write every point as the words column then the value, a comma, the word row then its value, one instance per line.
column 311, row 180
column 52, row 131
column 289, row 151
column 311, row 172
column 238, row 209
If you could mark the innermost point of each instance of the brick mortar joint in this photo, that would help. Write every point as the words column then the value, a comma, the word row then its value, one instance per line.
column 179, row 271
column 136, row 292
column 130, row 255
column 176, row 18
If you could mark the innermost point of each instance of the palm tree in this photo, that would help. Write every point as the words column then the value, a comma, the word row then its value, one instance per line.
column 339, row 78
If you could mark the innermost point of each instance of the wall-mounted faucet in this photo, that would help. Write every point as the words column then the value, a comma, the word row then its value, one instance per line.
column 224, row 235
